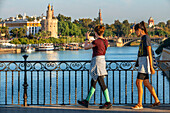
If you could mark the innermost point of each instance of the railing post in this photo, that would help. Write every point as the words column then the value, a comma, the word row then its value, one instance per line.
column 25, row 80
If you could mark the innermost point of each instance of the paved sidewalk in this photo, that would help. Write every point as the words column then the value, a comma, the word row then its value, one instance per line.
column 80, row 109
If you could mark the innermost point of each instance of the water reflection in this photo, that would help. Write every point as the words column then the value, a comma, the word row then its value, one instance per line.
column 113, row 53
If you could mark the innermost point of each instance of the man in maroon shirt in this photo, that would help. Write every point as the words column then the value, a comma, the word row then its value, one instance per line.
column 98, row 66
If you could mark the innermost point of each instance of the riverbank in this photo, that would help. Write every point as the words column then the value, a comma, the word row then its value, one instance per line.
column 9, row 50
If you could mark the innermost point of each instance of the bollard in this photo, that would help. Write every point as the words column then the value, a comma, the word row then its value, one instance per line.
column 25, row 80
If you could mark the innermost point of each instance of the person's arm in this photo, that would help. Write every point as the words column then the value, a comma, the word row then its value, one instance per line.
column 150, row 59
column 86, row 45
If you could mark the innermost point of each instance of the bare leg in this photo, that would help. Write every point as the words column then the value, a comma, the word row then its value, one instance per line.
column 151, row 89
column 140, row 90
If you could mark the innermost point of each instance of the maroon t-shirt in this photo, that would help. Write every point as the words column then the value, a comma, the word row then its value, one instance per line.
column 99, row 48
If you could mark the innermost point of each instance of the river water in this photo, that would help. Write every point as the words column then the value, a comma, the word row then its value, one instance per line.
column 113, row 53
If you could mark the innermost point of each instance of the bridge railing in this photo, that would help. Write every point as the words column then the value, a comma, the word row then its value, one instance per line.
column 65, row 82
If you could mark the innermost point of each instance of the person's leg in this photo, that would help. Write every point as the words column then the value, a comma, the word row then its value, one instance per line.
column 140, row 90
column 92, row 90
column 151, row 89
column 104, row 88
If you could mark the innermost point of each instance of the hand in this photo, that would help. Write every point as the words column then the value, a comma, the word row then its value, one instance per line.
column 152, row 70
column 87, row 35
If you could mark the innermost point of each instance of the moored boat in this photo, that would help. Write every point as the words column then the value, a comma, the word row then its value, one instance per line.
column 45, row 47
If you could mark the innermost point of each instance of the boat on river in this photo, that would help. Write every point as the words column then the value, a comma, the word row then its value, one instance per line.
column 45, row 47
column 29, row 49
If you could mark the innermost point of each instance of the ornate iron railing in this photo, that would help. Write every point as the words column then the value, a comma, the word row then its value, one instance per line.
column 65, row 82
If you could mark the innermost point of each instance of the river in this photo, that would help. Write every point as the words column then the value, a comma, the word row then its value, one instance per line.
column 113, row 53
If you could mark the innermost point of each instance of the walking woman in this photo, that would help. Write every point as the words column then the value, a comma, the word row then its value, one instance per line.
column 98, row 66
column 145, row 65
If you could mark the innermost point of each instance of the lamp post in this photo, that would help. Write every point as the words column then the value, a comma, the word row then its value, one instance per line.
column 25, row 80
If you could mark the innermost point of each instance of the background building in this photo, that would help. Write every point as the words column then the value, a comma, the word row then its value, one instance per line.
column 50, row 23
column 100, row 17
column 150, row 22
column 16, row 22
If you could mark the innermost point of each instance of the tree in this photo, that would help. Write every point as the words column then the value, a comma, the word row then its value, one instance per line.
column 38, row 18
column 160, row 32
column 118, row 27
column 168, row 24
column 63, row 28
column 7, row 35
column 108, row 32
column 0, row 32
column 5, row 30
column 15, row 41
column 126, row 23
column 30, row 36
column 85, row 22
column 31, row 19
column 18, row 32
column 20, row 16
column 126, row 28
column 161, row 24
column 61, row 17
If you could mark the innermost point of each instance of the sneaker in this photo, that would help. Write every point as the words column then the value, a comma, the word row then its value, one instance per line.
column 84, row 103
column 107, row 105
column 137, row 107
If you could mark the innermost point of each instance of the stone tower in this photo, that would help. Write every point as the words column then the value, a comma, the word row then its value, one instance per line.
column 50, row 23
column 52, row 12
column 100, row 17
column 150, row 22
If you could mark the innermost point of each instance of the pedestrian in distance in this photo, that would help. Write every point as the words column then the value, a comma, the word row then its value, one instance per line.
column 98, row 66
column 145, row 65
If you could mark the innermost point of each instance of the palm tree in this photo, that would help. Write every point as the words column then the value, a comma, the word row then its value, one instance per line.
column 7, row 35
column 25, row 29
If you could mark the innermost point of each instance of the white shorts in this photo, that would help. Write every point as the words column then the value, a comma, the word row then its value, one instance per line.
column 144, row 65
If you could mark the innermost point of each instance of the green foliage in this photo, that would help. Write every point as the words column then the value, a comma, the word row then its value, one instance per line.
column 24, row 40
column 20, row 16
column 15, row 41
column 160, row 32
column 66, row 28
column 5, row 30
column 31, row 19
column 38, row 18
column 61, row 17
column 18, row 32
column 168, row 24
column 161, row 24
column 61, row 40
column 122, row 29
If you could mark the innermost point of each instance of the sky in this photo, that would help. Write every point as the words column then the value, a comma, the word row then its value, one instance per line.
column 132, row 10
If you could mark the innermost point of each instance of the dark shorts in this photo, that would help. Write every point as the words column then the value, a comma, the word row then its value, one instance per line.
column 143, row 76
